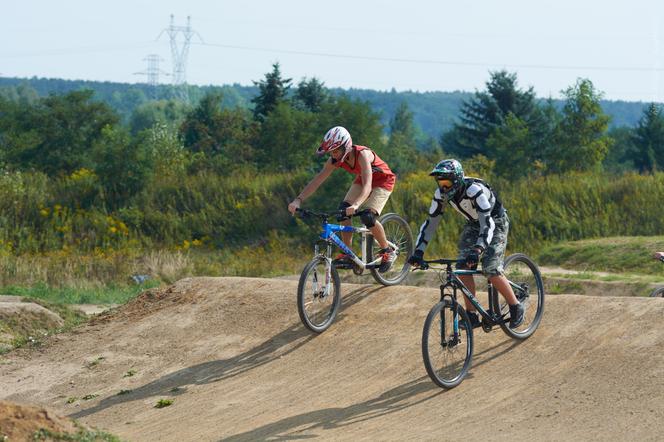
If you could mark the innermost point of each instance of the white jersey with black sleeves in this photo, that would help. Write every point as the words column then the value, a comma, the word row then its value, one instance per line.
column 476, row 202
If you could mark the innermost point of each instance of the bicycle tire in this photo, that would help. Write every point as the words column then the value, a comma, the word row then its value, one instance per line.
column 531, row 278
column 397, row 231
column 311, row 296
column 657, row 293
column 433, row 350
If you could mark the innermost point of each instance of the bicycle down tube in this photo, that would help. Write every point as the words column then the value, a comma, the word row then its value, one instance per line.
column 329, row 234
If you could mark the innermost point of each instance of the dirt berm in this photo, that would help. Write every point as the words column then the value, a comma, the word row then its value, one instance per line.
column 232, row 355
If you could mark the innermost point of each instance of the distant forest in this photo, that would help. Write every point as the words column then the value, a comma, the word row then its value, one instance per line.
column 433, row 112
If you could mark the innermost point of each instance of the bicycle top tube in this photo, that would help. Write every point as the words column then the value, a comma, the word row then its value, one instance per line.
column 448, row 262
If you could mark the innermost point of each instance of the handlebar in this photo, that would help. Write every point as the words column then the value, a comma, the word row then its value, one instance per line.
column 324, row 216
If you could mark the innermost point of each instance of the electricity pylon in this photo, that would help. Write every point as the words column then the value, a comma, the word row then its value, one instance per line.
column 179, row 53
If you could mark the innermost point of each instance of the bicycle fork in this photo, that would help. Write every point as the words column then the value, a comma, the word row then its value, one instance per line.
column 328, row 272
column 455, row 338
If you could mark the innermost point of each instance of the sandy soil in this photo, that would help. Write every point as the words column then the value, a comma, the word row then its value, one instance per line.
column 20, row 422
column 238, row 364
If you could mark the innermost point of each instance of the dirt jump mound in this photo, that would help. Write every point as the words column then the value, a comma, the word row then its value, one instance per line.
column 228, row 359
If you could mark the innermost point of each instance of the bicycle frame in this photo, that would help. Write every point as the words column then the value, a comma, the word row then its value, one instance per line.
column 452, row 280
column 456, row 284
column 330, row 237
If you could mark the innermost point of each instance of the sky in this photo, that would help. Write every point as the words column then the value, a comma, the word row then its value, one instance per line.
column 417, row 45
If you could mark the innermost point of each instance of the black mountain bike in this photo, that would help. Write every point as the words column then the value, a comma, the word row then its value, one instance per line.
column 447, row 338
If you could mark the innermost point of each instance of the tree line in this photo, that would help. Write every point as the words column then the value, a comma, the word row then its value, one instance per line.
column 75, row 174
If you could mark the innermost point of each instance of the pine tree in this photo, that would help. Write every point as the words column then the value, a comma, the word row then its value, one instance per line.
column 273, row 90
column 649, row 140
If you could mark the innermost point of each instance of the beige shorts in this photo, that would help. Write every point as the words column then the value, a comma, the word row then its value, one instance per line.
column 376, row 200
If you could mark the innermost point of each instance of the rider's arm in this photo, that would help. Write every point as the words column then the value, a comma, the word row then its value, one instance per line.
column 316, row 181
column 429, row 226
column 365, row 157
column 484, row 207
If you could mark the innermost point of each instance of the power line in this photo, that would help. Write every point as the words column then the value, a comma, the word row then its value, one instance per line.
column 440, row 62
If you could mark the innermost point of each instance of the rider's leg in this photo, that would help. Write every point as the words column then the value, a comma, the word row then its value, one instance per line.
column 469, row 282
column 379, row 234
column 504, row 288
column 347, row 237
column 466, row 245
column 376, row 202
column 353, row 193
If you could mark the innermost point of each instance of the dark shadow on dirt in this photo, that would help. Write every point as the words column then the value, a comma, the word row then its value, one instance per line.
column 274, row 348
column 407, row 395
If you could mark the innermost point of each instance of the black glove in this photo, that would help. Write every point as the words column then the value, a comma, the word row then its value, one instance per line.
column 417, row 259
column 472, row 259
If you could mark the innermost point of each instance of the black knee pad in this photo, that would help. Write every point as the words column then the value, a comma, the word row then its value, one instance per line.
column 368, row 218
column 342, row 207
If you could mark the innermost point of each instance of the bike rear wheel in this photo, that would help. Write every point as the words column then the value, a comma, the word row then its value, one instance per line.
column 447, row 356
column 397, row 232
column 318, row 297
column 658, row 293
column 526, row 282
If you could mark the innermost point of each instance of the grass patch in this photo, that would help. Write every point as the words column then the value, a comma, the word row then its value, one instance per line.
column 29, row 329
column 617, row 277
column 617, row 254
column 558, row 287
column 161, row 403
column 69, row 295
column 129, row 374
column 81, row 435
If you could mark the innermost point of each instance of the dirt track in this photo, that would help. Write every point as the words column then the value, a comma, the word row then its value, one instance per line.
column 232, row 354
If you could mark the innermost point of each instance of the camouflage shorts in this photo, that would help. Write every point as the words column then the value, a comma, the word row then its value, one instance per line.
column 493, row 256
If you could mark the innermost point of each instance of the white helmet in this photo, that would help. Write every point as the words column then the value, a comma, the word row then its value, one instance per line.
column 335, row 138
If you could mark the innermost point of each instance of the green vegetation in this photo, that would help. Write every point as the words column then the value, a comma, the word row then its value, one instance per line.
column 30, row 328
column 161, row 403
column 81, row 435
column 625, row 255
column 61, row 295
column 92, row 196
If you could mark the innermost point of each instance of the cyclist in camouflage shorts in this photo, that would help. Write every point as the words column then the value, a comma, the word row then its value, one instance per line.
column 485, row 233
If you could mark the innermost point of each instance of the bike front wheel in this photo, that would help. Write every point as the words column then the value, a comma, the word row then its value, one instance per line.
column 318, row 294
column 526, row 282
column 447, row 353
column 398, row 233
column 658, row 293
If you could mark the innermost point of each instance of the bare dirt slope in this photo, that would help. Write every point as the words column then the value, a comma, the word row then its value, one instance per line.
column 20, row 422
column 233, row 356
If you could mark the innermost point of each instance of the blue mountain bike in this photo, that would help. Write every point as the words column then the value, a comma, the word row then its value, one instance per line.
column 319, row 289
